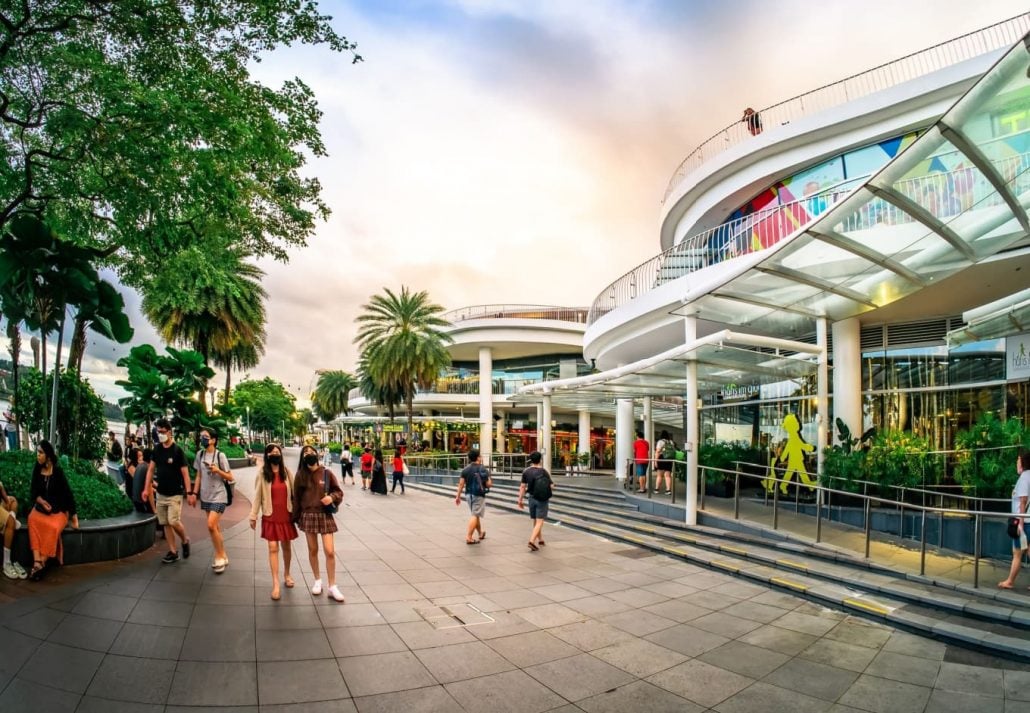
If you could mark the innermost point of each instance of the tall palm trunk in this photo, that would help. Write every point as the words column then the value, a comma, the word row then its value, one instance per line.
column 77, row 348
column 228, row 383
column 410, row 398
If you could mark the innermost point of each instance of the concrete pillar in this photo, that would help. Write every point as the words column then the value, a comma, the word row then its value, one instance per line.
column 501, row 445
column 822, row 397
column 649, row 429
column 623, row 436
column 691, row 437
column 486, row 404
column 847, row 376
column 545, row 429
column 584, row 432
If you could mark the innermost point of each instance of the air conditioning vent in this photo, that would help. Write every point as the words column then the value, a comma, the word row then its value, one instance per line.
column 871, row 337
column 926, row 332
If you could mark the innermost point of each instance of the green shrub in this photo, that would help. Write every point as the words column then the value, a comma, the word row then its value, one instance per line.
column 842, row 469
column 335, row 447
column 989, row 473
column 257, row 447
column 724, row 456
column 231, row 450
column 356, row 451
column 96, row 495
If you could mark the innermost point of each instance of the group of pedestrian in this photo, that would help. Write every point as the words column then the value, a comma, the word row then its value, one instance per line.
column 664, row 461
column 536, row 490
column 373, row 469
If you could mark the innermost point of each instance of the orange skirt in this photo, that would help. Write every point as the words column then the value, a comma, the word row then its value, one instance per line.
column 45, row 533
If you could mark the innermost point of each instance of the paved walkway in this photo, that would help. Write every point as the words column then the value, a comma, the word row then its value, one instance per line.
column 432, row 624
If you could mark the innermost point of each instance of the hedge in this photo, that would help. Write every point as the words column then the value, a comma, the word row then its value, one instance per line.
column 96, row 495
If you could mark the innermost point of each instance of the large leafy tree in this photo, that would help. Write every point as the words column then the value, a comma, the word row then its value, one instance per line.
column 270, row 403
column 80, row 424
column 165, row 385
column 332, row 393
column 403, row 342
column 135, row 126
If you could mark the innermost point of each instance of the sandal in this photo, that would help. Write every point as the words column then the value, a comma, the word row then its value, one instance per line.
column 532, row 546
column 471, row 542
column 36, row 573
column 288, row 581
column 541, row 543
column 482, row 537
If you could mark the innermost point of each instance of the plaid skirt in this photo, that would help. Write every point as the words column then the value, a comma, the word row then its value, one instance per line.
column 317, row 522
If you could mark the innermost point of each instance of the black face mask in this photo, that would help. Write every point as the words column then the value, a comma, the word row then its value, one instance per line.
column 311, row 459
column 275, row 460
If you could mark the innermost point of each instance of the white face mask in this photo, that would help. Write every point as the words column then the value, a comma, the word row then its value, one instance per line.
column 163, row 437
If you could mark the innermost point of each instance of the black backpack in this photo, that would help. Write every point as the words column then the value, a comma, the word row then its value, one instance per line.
column 477, row 482
column 541, row 487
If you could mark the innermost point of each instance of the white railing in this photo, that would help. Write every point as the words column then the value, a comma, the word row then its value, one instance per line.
column 561, row 314
column 885, row 76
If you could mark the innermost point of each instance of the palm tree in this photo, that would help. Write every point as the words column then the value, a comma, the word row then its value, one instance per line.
column 403, row 343
column 215, row 307
column 242, row 355
column 332, row 393
column 377, row 393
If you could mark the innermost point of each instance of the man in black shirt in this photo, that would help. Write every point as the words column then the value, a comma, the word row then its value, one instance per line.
column 168, row 466
column 537, row 484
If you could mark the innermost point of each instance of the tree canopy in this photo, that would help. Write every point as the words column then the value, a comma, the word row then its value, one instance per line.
column 269, row 402
column 135, row 127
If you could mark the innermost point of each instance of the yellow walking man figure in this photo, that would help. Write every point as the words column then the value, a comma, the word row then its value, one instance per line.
column 793, row 454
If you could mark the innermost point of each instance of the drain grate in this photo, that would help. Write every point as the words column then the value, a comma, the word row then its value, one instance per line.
column 452, row 616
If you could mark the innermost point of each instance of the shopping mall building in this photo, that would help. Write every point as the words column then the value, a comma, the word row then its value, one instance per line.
column 856, row 252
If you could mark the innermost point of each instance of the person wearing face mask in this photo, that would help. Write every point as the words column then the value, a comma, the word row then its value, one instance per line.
column 213, row 482
column 53, row 507
column 168, row 465
column 273, row 498
column 314, row 490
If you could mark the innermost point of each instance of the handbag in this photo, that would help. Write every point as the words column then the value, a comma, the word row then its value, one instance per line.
column 404, row 469
column 1013, row 528
column 331, row 508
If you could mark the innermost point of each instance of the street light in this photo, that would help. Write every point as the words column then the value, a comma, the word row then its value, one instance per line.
column 284, row 433
column 212, row 390
column 250, row 436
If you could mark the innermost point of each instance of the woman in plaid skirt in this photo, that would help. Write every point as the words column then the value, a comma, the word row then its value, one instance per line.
column 314, row 489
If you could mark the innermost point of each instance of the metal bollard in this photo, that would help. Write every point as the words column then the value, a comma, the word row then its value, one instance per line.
column 922, row 546
column 819, row 515
column 736, row 494
column 867, row 528
column 977, row 535
column 776, row 506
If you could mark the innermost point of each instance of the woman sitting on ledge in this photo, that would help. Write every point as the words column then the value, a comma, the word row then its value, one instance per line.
column 52, row 506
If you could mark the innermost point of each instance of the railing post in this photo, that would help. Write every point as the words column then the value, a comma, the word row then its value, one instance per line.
column 922, row 546
column 701, row 485
column 977, row 535
column 647, row 481
column 797, row 498
column 818, row 514
column 736, row 493
column 776, row 506
column 867, row 524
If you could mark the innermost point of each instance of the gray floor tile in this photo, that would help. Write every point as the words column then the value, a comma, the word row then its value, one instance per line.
column 356, row 614
column 776, row 639
column 342, row 705
column 39, row 623
column 745, row 659
column 837, row 653
column 105, row 606
column 1017, row 685
column 638, row 696
column 390, row 592
column 421, row 635
column 591, row 634
column 753, row 611
column 882, row 696
column 701, row 683
column 532, row 648
column 856, row 631
column 172, row 591
column 908, row 669
column 449, row 588
column 397, row 612
column 687, row 640
column 459, row 662
column 155, row 642
column 434, row 699
column 61, row 667
column 218, row 616
column 292, row 645
column 214, row 684
column 384, row 673
column 639, row 657
column 805, row 623
column 771, row 699
column 18, row 648
column 86, row 632
column 602, row 585
column 124, row 678
column 226, row 595
column 709, row 600
column 953, row 702
column 287, row 618
column 596, row 605
column 562, row 592
column 159, row 612
column 509, row 692
column 970, row 679
column 22, row 695
column 639, row 622
column 93, row 704
column 518, row 599
column 229, row 645
column 678, row 610
column 637, row 598
column 504, row 624
column 724, row 624
column 901, row 642
column 300, row 681
column 812, row 679
column 364, row 640
column 550, row 614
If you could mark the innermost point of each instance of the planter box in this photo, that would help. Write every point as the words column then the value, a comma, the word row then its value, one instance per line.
column 95, row 540
column 719, row 489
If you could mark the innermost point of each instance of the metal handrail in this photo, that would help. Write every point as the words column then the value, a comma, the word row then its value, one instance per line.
column 936, row 192
column 509, row 311
column 945, row 54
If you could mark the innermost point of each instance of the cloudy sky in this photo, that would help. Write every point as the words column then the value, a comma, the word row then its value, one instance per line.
column 516, row 151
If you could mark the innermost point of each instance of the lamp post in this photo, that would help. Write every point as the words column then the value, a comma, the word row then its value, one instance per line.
column 284, row 432
column 212, row 390
column 250, row 437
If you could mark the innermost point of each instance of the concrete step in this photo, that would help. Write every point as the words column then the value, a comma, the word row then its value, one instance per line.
column 955, row 616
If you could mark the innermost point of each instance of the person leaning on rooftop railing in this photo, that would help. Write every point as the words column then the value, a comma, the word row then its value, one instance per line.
column 753, row 120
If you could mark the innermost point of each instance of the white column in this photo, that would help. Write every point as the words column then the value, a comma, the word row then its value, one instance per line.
column 822, row 396
column 501, row 445
column 691, row 436
column 623, row 436
column 545, row 430
column 584, row 432
column 847, row 375
column 486, row 404
column 649, row 427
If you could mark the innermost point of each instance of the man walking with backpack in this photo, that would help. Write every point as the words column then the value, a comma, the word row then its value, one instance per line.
column 537, row 484
column 475, row 480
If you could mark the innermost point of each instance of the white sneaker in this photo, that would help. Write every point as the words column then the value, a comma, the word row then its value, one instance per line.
column 10, row 572
column 316, row 589
column 335, row 593
column 22, row 574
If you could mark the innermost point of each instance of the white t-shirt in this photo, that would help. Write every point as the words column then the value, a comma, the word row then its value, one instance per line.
column 346, row 455
column 1022, row 489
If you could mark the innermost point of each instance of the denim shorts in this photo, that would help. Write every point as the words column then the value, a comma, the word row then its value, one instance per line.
column 1019, row 544
column 213, row 507
column 538, row 509
column 641, row 470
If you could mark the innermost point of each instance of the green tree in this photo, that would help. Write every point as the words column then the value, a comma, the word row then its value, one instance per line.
column 161, row 385
column 385, row 395
column 402, row 341
column 136, row 126
column 79, row 416
column 332, row 393
column 270, row 404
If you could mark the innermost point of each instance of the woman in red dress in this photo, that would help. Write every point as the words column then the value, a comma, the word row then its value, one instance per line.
column 273, row 498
